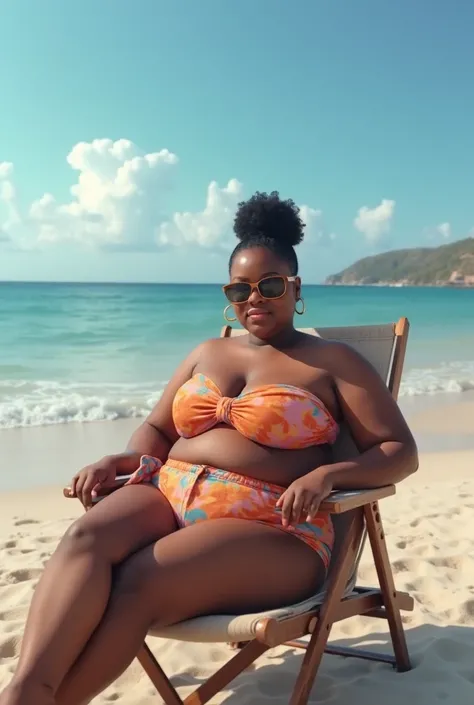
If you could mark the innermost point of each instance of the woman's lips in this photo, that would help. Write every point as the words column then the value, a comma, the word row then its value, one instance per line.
column 256, row 314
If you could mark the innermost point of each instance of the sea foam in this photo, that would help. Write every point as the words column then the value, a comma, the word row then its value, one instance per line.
column 26, row 403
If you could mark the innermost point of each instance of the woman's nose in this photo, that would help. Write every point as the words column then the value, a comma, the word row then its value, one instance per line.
column 255, row 296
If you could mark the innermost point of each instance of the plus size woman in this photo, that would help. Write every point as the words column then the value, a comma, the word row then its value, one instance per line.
column 221, row 514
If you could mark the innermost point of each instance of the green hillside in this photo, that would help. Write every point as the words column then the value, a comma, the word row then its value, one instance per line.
column 421, row 265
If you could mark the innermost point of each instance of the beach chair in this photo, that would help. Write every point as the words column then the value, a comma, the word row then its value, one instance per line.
column 356, row 515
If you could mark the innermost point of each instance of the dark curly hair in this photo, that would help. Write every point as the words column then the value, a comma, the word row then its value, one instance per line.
column 267, row 221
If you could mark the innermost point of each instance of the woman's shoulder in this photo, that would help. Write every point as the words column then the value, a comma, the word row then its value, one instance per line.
column 213, row 345
column 327, row 346
column 334, row 354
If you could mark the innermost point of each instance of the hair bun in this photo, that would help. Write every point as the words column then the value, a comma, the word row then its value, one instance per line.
column 266, row 217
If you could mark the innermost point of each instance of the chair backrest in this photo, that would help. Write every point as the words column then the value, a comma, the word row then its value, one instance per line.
column 384, row 347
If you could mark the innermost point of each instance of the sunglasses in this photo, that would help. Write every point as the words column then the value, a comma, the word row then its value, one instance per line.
column 269, row 288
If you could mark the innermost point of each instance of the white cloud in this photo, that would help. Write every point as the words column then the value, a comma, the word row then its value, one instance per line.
column 313, row 220
column 7, row 201
column 120, row 200
column 315, row 230
column 213, row 225
column 374, row 223
column 7, row 191
column 6, row 170
column 206, row 227
column 434, row 233
column 444, row 229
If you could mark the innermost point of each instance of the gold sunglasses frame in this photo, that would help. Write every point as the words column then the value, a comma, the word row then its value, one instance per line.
column 255, row 285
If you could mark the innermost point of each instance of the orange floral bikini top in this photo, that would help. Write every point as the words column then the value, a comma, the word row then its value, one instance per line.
column 274, row 415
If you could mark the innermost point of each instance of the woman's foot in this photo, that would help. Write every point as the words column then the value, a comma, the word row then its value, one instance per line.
column 27, row 694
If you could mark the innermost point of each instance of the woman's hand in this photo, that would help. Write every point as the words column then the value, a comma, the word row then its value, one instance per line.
column 300, row 501
column 87, row 483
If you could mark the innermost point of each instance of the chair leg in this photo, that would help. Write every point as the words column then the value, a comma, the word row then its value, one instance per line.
column 387, row 585
column 219, row 680
column 157, row 676
column 226, row 674
column 335, row 590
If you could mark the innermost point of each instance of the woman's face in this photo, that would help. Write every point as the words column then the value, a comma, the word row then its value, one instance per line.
column 263, row 317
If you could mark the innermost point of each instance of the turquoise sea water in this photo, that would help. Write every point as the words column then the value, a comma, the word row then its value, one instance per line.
column 83, row 352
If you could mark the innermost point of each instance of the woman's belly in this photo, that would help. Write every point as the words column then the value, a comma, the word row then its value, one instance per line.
column 224, row 447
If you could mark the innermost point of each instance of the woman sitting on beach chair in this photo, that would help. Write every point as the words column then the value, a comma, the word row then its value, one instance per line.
column 221, row 513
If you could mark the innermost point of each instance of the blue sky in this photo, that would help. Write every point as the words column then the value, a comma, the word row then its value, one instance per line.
column 161, row 115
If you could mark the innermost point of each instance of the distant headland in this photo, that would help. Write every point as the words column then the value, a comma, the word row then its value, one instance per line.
column 447, row 265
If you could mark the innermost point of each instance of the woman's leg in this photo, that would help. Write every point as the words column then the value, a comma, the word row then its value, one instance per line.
column 73, row 592
column 215, row 566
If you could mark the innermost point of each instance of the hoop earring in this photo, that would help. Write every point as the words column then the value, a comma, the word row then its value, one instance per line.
column 300, row 313
column 226, row 318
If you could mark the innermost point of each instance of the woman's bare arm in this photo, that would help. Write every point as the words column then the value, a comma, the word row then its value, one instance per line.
column 388, row 452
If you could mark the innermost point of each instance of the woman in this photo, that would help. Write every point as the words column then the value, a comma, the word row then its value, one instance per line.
column 228, row 471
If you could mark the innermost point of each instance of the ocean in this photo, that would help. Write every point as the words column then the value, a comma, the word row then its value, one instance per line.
column 88, row 352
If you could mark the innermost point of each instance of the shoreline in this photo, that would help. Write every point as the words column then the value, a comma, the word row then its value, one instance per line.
column 387, row 284
column 400, row 285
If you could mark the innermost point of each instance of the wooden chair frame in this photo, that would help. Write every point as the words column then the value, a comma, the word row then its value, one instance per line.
column 384, row 602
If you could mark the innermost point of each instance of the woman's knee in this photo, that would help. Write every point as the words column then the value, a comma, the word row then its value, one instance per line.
column 84, row 536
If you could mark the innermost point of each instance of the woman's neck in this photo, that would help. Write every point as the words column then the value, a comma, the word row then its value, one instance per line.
column 285, row 338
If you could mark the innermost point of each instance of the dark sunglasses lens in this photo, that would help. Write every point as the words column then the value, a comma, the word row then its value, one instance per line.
column 272, row 287
column 238, row 293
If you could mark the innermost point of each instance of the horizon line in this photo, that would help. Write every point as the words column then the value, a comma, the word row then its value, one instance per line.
column 131, row 283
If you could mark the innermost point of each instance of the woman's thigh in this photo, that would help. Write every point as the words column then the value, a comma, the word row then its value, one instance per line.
column 220, row 566
column 127, row 520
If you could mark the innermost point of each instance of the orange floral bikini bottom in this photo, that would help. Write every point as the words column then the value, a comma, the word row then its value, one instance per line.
column 200, row 492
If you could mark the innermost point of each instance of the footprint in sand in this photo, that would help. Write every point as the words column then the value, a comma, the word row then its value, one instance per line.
column 467, row 612
column 402, row 544
column 454, row 562
column 12, row 543
column 23, row 575
column 14, row 627
column 22, row 522
column 8, row 648
column 12, row 548
column 46, row 539
column 405, row 564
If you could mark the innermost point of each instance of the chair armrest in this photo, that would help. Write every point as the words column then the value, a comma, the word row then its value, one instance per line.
column 338, row 502
column 120, row 481
column 342, row 501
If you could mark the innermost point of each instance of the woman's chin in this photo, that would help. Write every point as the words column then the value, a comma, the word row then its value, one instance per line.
column 261, row 326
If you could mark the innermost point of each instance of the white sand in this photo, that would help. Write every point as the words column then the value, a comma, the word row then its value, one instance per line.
column 429, row 527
